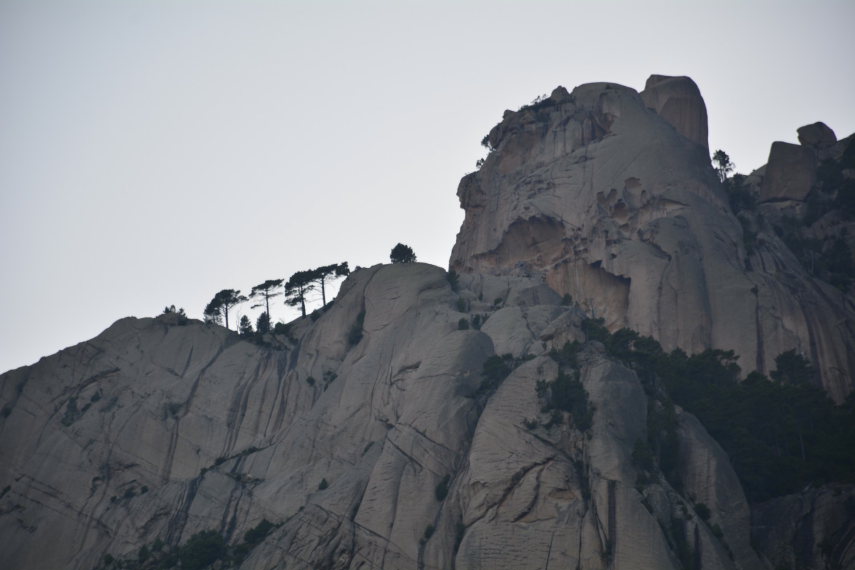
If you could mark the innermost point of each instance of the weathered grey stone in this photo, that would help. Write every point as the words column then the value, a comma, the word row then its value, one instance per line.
column 812, row 530
column 604, row 200
column 370, row 435
column 790, row 173
column 158, row 430
column 818, row 136
column 678, row 100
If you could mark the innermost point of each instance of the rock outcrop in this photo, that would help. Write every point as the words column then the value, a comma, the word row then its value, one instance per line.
column 817, row 136
column 413, row 423
column 618, row 206
column 379, row 450
column 678, row 100
column 813, row 530
column 790, row 173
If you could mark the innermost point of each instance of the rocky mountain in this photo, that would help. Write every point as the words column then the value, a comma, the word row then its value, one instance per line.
column 609, row 195
column 434, row 420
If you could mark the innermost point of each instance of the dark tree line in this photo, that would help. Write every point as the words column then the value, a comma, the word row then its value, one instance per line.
column 781, row 433
column 295, row 291
column 218, row 309
column 303, row 282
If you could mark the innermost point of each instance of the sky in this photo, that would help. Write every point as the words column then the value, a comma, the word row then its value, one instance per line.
column 155, row 152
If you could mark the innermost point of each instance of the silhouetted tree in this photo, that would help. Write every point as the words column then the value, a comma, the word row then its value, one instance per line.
column 402, row 254
column 327, row 272
column 792, row 368
column 213, row 312
column 245, row 327
column 723, row 165
column 298, row 285
column 220, row 305
column 171, row 309
column 266, row 291
column 262, row 324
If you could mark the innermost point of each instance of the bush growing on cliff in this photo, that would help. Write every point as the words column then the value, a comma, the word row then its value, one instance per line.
column 201, row 550
column 245, row 327
column 567, row 394
column 723, row 165
column 496, row 368
column 780, row 436
column 402, row 254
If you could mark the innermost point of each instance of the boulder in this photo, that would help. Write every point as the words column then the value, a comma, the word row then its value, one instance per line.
column 817, row 136
column 790, row 173
column 618, row 207
column 678, row 100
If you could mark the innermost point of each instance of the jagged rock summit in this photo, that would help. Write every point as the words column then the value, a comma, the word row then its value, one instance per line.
column 430, row 420
column 609, row 195
column 380, row 450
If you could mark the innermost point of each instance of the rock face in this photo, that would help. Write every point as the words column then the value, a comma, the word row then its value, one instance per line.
column 809, row 530
column 617, row 205
column 818, row 136
column 411, row 425
column 380, row 454
column 790, row 173
column 678, row 100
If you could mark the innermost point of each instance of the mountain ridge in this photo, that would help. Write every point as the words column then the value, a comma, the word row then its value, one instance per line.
column 430, row 419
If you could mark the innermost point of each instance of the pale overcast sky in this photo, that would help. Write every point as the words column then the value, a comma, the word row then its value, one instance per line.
column 155, row 152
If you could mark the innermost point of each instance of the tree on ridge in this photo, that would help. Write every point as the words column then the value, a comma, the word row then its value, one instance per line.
column 265, row 291
column 723, row 165
column 221, row 304
column 297, row 287
column 402, row 254
column 325, row 272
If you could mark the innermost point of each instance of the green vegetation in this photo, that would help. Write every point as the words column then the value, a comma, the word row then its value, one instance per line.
column 204, row 549
column 245, row 327
column 565, row 393
column 780, row 434
column 182, row 316
column 723, row 165
column 321, row 275
column 218, row 308
column 297, row 287
column 262, row 323
column 265, row 291
column 495, row 370
column 402, row 254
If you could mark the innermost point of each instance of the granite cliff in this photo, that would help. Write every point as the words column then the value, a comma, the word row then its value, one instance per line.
column 434, row 420
column 609, row 195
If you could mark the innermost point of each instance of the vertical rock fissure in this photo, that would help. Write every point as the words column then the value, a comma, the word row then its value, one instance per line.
column 175, row 527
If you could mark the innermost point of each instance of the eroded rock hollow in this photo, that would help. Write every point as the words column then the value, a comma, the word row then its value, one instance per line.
column 609, row 195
